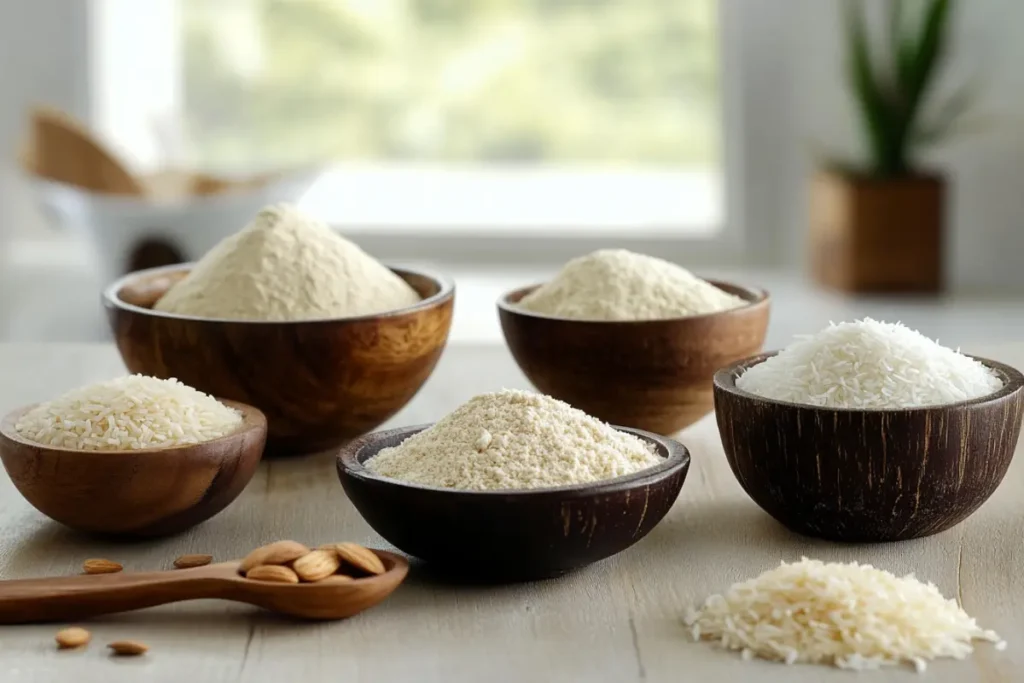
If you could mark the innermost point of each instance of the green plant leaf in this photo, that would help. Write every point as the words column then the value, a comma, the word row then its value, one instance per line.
column 928, row 55
column 946, row 117
column 866, row 90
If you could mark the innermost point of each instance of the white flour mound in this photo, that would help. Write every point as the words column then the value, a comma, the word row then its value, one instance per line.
column 868, row 364
column 514, row 440
column 287, row 266
column 615, row 284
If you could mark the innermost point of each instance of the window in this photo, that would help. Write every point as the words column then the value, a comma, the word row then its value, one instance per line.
column 490, row 115
column 496, row 129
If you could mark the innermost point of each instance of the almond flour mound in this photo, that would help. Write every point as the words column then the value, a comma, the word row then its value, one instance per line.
column 287, row 266
column 514, row 440
column 615, row 284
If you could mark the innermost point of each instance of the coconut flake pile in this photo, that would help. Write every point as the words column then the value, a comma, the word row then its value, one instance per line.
column 852, row 616
column 869, row 364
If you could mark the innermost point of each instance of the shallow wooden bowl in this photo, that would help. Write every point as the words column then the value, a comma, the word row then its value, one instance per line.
column 512, row 535
column 649, row 374
column 868, row 475
column 319, row 382
column 151, row 492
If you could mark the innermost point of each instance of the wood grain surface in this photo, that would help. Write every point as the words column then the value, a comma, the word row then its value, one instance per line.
column 615, row 621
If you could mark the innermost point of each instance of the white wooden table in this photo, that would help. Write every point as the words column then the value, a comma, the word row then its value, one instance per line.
column 617, row 621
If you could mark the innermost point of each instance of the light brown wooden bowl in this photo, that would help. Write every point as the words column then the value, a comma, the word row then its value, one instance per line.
column 319, row 382
column 654, row 375
column 150, row 492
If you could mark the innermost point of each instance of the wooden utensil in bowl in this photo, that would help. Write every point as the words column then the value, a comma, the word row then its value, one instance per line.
column 149, row 492
column 319, row 382
column 30, row 601
column 868, row 475
column 653, row 375
column 61, row 149
column 512, row 535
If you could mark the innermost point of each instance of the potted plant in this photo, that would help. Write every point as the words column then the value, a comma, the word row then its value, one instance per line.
column 878, row 226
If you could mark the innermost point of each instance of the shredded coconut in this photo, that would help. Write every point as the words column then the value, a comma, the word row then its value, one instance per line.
column 852, row 616
column 615, row 284
column 514, row 440
column 869, row 364
column 287, row 266
column 128, row 413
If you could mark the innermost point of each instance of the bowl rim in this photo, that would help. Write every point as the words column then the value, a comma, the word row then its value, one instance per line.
column 755, row 297
column 446, row 290
column 252, row 419
column 349, row 464
column 725, row 381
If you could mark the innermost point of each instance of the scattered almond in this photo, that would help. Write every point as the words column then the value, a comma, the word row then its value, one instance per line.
column 72, row 637
column 189, row 561
column 272, row 572
column 100, row 566
column 281, row 552
column 316, row 565
column 128, row 647
column 359, row 557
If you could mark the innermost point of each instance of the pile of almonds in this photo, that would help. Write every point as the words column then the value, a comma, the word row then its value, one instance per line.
column 292, row 562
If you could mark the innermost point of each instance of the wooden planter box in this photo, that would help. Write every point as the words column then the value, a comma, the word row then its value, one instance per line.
column 878, row 236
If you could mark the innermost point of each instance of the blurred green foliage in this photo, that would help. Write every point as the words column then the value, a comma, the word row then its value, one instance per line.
column 584, row 81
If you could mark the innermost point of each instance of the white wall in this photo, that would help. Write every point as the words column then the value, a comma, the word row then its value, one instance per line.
column 987, row 169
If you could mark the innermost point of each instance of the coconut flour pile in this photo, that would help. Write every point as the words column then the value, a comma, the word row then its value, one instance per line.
column 287, row 266
column 129, row 413
column 869, row 365
column 514, row 440
column 615, row 284
column 852, row 616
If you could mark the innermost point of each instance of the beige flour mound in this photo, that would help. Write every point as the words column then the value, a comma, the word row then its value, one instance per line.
column 287, row 266
column 514, row 440
column 615, row 284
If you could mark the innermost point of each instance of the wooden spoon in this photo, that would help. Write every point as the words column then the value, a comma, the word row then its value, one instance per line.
column 81, row 597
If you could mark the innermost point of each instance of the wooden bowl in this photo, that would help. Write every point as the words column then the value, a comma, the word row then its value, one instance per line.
column 319, row 382
column 647, row 374
column 145, row 493
column 512, row 535
column 868, row 475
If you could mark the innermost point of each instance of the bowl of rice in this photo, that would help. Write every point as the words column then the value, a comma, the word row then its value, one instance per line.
column 133, row 456
column 288, row 316
column 869, row 431
column 631, row 339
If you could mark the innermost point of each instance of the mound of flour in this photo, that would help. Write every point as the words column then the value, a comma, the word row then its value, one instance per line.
column 514, row 440
column 286, row 265
column 615, row 284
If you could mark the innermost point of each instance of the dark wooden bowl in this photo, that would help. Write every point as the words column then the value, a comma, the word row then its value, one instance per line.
column 868, row 475
column 647, row 374
column 512, row 535
column 319, row 382
column 143, row 493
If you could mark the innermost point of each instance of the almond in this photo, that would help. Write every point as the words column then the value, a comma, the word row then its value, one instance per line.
column 100, row 566
column 359, row 557
column 72, row 637
column 189, row 561
column 272, row 572
column 336, row 578
column 281, row 552
column 128, row 647
column 316, row 565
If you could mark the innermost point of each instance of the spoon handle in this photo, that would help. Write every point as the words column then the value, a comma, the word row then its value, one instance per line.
column 80, row 597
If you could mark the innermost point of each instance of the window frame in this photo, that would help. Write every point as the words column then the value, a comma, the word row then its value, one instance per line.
column 759, row 147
